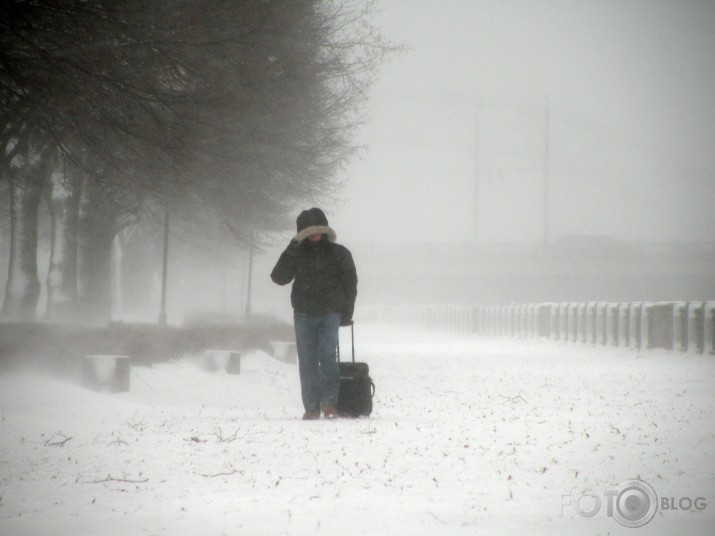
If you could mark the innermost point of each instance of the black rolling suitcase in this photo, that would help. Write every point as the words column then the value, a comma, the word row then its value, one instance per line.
column 356, row 386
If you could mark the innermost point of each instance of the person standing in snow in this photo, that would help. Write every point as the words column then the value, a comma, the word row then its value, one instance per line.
column 323, row 298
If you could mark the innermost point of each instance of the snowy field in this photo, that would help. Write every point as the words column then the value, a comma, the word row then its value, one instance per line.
column 469, row 436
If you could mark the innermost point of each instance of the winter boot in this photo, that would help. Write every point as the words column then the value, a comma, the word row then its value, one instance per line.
column 330, row 411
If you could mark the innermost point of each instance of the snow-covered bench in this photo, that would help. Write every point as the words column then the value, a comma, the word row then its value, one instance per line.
column 103, row 372
column 284, row 351
column 226, row 360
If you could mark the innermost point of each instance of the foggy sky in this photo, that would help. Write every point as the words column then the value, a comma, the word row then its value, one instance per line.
column 630, row 87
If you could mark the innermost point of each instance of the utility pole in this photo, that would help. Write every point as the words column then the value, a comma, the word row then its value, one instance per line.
column 476, row 176
column 250, row 276
column 545, row 238
column 164, row 266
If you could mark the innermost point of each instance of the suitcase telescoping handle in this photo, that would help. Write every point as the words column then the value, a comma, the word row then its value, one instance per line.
column 352, row 341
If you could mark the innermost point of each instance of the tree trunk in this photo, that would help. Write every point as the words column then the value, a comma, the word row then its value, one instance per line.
column 94, row 268
column 26, row 177
column 96, row 232
column 63, row 201
column 118, row 246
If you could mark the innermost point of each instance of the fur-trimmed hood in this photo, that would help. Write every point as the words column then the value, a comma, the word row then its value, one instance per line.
column 315, row 229
column 313, row 221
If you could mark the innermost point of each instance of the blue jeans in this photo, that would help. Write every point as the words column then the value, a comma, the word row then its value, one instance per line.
column 316, row 339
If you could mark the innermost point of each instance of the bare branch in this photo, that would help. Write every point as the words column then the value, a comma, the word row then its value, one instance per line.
column 110, row 478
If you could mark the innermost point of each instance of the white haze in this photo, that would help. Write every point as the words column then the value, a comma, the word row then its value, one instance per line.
column 469, row 435
column 630, row 92
column 631, row 97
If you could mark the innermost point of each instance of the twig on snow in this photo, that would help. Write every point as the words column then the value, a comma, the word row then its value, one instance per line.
column 110, row 478
column 136, row 426
column 228, row 439
column 58, row 443
column 227, row 473
column 436, row 518
column 48, row 442
column 516, row 398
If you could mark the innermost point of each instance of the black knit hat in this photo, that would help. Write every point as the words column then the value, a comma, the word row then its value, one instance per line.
column 313, row 217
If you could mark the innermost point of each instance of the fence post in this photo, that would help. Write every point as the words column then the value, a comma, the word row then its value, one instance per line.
column 623, row 324
column 633, row 324
column 543, row 319
column 555, row 321
column 680, row 327
column 691, row 326
column 517, row 321
column 564, row 321
column 583, row 322
column 646, row 313
column 592, row 322
column 613, row 324
column 530, row 322
column 600, row 324
column 709, row 327
column 662, row 326
column 573, row 322
column 559, row 321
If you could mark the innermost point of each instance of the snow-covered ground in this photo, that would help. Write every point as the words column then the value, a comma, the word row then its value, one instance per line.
column 469, row 436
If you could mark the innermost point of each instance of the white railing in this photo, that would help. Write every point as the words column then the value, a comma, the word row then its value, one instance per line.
column 681, row 326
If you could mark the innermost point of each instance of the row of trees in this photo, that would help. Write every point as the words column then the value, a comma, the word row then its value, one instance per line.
column 227, row 114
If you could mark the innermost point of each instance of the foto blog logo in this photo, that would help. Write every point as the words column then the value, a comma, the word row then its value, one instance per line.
column 633, row 503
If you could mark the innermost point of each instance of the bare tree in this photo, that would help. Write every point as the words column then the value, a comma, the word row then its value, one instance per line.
column 105, row 209
column 231, row 110
column 63, row 195
column 30, row 169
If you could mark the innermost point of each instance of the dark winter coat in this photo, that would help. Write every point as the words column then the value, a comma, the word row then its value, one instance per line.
column 323, row 274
